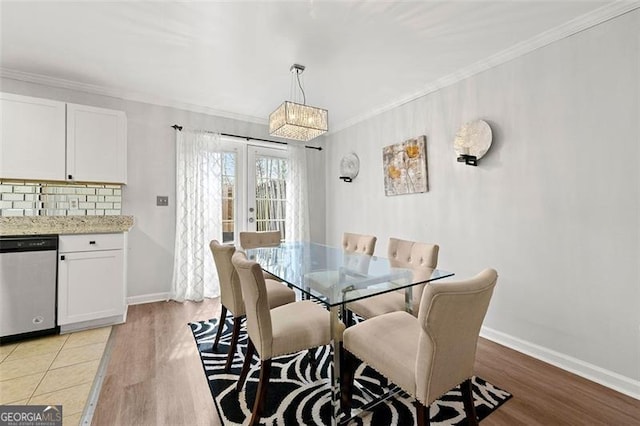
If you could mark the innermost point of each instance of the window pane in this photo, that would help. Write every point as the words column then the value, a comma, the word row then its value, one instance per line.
column 229, row 192
column 271, row 194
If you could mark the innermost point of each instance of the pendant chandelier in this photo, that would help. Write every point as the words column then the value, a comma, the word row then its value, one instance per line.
column 298, row 121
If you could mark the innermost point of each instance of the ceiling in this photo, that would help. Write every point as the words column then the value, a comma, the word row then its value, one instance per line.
column 233, row 58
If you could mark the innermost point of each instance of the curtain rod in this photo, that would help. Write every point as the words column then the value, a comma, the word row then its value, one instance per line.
column 249, row 138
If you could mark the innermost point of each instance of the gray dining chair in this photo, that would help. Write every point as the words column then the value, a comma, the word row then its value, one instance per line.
column 231, row 294
column 429, row 355
column 421, row 257
column 286, row 329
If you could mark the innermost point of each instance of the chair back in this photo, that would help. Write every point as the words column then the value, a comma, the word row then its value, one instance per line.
column 250, row 240
column 356, row 262
column 451, row 314
column 230, row 290
column 357, row 243
column 256, row 303
column 413, row 255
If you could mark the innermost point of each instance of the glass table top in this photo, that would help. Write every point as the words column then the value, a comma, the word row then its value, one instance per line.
column 333, row 276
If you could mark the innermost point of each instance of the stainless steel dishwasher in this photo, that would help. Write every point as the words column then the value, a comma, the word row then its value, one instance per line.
column 28, row 286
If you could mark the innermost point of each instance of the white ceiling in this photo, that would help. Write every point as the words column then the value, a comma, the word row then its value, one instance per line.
column 233, row 58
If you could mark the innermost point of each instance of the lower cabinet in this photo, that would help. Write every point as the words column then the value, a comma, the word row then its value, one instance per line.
column 91, row 280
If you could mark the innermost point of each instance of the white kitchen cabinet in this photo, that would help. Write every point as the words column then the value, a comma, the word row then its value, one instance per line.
column 43, row 139
column 91, row 280
column 32, row 138
column 96, row 144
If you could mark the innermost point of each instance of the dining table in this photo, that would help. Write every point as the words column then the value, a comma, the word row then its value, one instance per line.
column 334, row 277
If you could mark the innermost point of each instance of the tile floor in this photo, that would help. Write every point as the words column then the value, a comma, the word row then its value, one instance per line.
column 53, row 370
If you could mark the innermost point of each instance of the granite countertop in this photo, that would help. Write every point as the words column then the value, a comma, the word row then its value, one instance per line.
column 35, row 225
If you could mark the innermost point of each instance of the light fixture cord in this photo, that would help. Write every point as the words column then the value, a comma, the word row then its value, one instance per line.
column 304, row 97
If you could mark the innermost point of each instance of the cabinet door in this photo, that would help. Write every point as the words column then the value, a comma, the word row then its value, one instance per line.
column 32, row 138
column 96, row 144
column 90, row 285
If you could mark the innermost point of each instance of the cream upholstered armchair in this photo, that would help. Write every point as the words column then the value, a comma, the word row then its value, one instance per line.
column 255, row 239
column 404, row 254
column 231, row 294
column 358, row 243
column 429, row 355
column 352, row 244
column 250, row 239
column 283, row 330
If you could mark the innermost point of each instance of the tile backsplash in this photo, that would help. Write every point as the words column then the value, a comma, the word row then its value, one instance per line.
column 18, row 198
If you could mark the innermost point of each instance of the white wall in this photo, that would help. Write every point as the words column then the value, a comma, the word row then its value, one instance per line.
column 554, row 206
column 151, row 172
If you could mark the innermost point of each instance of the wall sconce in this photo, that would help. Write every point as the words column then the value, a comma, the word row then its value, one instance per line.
column 472, row 142
column 349, row 167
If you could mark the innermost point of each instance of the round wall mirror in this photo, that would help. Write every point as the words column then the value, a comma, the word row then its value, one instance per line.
column 349, row 167
column 472, row 141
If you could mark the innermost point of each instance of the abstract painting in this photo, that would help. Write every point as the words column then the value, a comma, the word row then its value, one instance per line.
column 405, row 167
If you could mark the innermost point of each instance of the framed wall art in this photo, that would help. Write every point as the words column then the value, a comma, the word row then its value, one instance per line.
column 405, row 167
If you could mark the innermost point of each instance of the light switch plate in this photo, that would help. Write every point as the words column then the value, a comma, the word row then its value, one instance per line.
column 162, row 200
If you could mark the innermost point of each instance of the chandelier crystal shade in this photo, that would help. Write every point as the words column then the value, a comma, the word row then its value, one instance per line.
column 297, row 121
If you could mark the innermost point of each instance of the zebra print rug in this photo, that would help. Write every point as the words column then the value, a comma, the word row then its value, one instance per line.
column 299, row 394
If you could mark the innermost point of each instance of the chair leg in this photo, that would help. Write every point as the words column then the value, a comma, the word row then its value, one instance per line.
column 312, row 360
column 223, row 316
column 348, row 321
column 245, row 366
column 467, row 399
column 234, row 343
column 346, row 381
column 384, row 382
column 422, row 414
column 261, row 394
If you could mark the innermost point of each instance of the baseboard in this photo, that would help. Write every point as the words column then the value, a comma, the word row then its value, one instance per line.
column 88, row 325
column 607, row 378
column 148, row 298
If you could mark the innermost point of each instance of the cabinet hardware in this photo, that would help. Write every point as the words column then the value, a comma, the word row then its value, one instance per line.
column 62, row 257
column 92, row 242
column 70, row 177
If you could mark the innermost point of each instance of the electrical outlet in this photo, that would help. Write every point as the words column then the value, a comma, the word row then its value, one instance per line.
column 162, row 200
column 73, row 203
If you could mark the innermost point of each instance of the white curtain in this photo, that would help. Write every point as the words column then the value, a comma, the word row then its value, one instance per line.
column 297, row 214
column 198, row 214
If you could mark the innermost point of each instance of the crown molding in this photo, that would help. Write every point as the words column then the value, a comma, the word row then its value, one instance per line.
column 581, row 23
column 123, row 94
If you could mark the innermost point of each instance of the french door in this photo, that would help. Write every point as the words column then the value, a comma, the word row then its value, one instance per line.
column 266, row 189
column 253, row 189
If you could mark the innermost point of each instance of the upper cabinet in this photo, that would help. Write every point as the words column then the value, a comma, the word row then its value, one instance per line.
column 49, row 140
column 96, row 144
column 32, row 138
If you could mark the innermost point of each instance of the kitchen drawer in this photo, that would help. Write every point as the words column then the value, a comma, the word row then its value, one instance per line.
column 90, row 242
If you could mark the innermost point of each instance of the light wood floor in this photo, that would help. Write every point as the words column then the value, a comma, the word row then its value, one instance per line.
column 155, row 377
